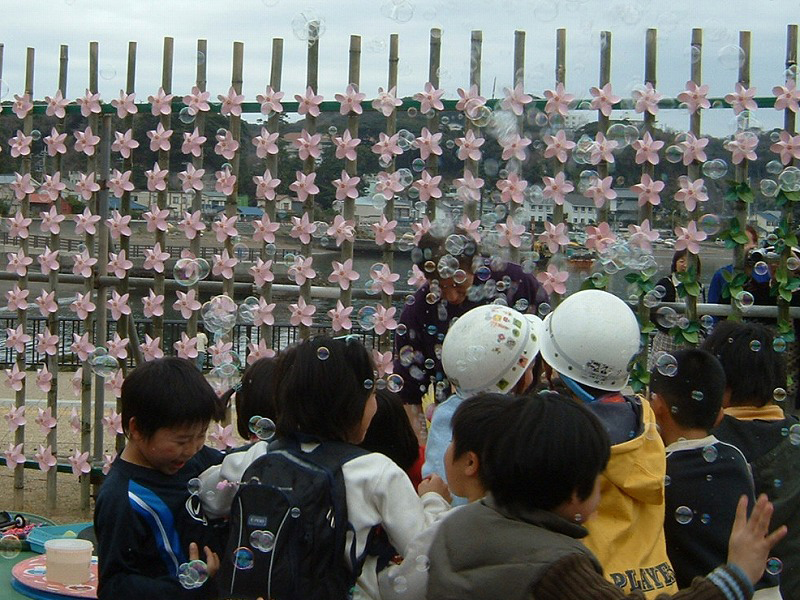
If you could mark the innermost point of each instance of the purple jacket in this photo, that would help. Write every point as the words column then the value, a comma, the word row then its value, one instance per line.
column 418, row 349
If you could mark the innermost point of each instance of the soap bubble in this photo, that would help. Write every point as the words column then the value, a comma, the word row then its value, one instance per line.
column 755, row 346
column 263, row 541
column 307, row 26
column 186, row 272
column 193, row 574
column 710, row 224
column 730, row 57
column 794, row 434
column 108, row 72
column 710, row 453
column 697, row 395
column 194, row 486
column 323, row 353
column 10, row 546
column 779, row 394
column 683, row 515
column 394, row 383
column 715, row 169
column 400, row 11
column 366, row 317
column 667, row 365
column 102, row 363
column 185, row 115
column 779, row 344
column 243, row 558
column 774, row 565
column 744, row 299
column 761, row 268
column 666, row 317
column 674, row 154
column 262, row 427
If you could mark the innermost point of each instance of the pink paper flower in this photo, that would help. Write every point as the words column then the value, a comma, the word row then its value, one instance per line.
column 14, row 456
column 469, row 186
column 647, row 149
column 471, row 228
column 470, row 101
column 222, row 437
column 45, row 458
column 153, row 304
column 151, row 348
column 81, row 346
column 742, row 99
column 514, row 146
column 56, row 105
column 186, row 347
column 600, row 191
column 225, row 227
column 350, row 101
column 787, row 96
column 690, row 192
column 197, row 101
column 383, row 279
column 342, row 230
column 694, row 149
column 18, row 262
column 302, row 313
column 388, row 184
column 22, row 186
column 386, row 102
column 695, row 97
column 46, row 301
column 86, row 141
column 193, row 143
column 428, row 186
column 44, row 379
column 47, row 343
column 156, row 218
column 302, row 229
column 15, row 417
column 231, row 103
column 48, row 260
column 22, row 105
column 259, row 351
column 308, row 103
column 510, row 233
column 648, row 190
column 558, row 101
column 90, row 104
column 16, row 339
column 17, row 299
column 113, row 423
column 384, row 362
column 603, row 99
column 646, row 99
column 53, row 186
column 226, row 145
column 86, row 186
column 119, row 183
column 346, row 186
column 118, row 264
column 156, row 178
column 159, row 138
column 558, row 146
column 301, row 269
column 186, row 303
column 387, row 146
column 515, row 100
column 192, row 224
column 384, row 319
column 270, row 101
column 430, row 98
column 343, row 273
column 83, row 305
column 80, row 463
column 264, row 230
column 642, row 236
column 224, row 265
column 266, row 143
column 553, row 280
column 83, row 263
column 428, row 144
column 340, row 317
column 154, row 259
column 266, row 185
column 304, row 186
column 86, row 222
column 46, row 421
column 512, row 189
column 554, row 236
column 191, row 179
column 226, row 182
column 55, row 142
column 417, row 278
column 74, row 419
column 18, row 225
column 15, row 379
column 556, row 188
column 420, row 228
column 602, row 149
column 308, row 145
column 108, row 461
column 689, row 238
column 599, row 238
column 346, row 146
column 124, row 143
column 20, row 144
column 384, row 231
column 787, row 146
column 262, row 315
column 743, row 147
column 469, row 146
column 118, row 305
column 161, row 103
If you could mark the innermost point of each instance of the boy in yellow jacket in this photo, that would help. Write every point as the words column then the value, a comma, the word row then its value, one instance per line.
column 590, row 340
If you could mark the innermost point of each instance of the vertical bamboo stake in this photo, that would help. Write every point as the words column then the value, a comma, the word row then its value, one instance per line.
column 391, row 128
column 434, row 62
column 471, row 208
column 273, row 125
column 515, row 164
column 602, row 120
column 232, row 201
column 646, row 211
column 163, row 163
column 52, row 318
column 88, row 289
column 195, row 244
column 310, row 125
column 351, row 166
column 22, row 282
column 693, row 170
column 741, row 173
column 561, row 77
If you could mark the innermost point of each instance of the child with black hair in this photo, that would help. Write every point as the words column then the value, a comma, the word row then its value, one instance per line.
column 756, row 424
column 706, row 476
column 324, row 394
column 522, row 541
column 474, row 426
column 144, row 531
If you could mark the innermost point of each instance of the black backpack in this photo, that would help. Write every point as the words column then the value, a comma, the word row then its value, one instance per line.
column 289, row 525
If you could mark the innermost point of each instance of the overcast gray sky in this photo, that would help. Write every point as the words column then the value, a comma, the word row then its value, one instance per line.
column 45, row 24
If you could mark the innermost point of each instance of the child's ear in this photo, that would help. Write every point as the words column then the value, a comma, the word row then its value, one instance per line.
column 472, row 464
column 132, row 432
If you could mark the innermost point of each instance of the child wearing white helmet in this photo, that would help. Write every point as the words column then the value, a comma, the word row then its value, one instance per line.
column 590, row 340
column 492, row 348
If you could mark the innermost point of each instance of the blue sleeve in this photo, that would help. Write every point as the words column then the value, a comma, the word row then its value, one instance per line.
column 411, row 318
column 439, row 437
column 716, row 287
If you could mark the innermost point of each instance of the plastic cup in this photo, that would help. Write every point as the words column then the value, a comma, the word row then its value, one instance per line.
column 68, row 561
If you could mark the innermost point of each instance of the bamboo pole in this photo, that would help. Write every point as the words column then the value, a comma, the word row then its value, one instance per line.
column 741, row 172
column 471, row 207
column 561, row 77
column 434, row 63
column 693, row 170
column 515, row 165
column 790, row 126
column 273, row 125
column 391, row 129
column 602, row 120
column 351, row 166
column 232, row 201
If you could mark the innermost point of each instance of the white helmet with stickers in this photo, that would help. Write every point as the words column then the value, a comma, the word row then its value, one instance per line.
column 489, row 349
column 592, row 337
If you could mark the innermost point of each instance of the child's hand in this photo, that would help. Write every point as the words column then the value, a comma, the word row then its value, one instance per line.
column 212, row 560
column 434, row 483
column 749, row 545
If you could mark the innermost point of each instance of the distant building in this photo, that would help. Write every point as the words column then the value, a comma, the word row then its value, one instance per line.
column 767, row 221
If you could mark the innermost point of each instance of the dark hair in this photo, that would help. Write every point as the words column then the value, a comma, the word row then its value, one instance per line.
column 255, row 395
column 167, row 392
column 752, row 367
column 433, row 249
column 551, row 447
column 680, row 254
column 694, row 393
column 475, row 425
column 390, row 431
column 322, row 397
